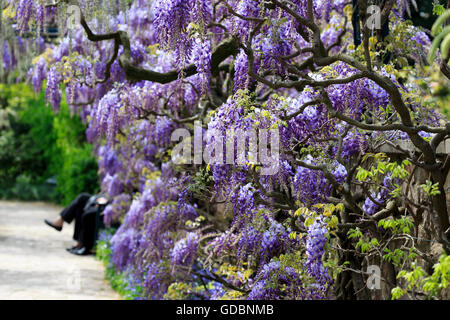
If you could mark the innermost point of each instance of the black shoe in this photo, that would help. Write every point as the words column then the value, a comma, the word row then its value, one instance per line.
column 73, row 248
column 51, row 225
column 81, row 251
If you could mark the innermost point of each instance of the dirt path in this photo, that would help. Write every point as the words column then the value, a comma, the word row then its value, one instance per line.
column 34, row 263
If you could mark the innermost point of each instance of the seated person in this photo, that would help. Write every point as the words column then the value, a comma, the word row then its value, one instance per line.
column 83, row 209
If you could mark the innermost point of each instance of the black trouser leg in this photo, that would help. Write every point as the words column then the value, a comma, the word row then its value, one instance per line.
column 78, row 226
column 86, row 236
column 76, row 206
column 74, row 211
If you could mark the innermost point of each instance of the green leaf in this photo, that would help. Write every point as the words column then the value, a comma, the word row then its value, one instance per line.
column 397, row 293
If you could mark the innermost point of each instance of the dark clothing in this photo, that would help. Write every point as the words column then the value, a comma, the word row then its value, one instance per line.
column 83, row 210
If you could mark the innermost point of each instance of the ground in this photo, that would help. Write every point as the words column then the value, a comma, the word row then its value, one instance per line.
column 34, row 263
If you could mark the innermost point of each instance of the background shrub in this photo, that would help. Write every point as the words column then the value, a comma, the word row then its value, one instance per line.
column 43, row 156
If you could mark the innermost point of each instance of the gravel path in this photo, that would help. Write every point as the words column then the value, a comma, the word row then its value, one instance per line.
column 34, row 263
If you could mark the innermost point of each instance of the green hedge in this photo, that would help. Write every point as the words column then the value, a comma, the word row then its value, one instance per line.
column 36, row 145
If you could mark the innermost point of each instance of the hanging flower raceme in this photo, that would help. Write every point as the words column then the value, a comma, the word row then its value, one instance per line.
column 38, row 75
column 115, row 210
column 274, row 276
column 25, row 11
column 201, row 54
column 7, row 57
column 241, row 78
column 202, row 12
column 53, row 92
column 315, row 249
column 185, row 251
column 171, row 21
column 246, row 8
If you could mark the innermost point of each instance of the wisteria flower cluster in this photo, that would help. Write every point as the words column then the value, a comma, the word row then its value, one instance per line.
column 224, row 229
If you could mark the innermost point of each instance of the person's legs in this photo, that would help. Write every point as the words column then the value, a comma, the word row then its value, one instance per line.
column 70, row 212
column 75, row 207
column 78, row 225
column 77, row 230
column 86, row 235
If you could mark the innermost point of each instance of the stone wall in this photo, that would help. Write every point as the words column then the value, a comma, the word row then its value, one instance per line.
column 424, row 231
